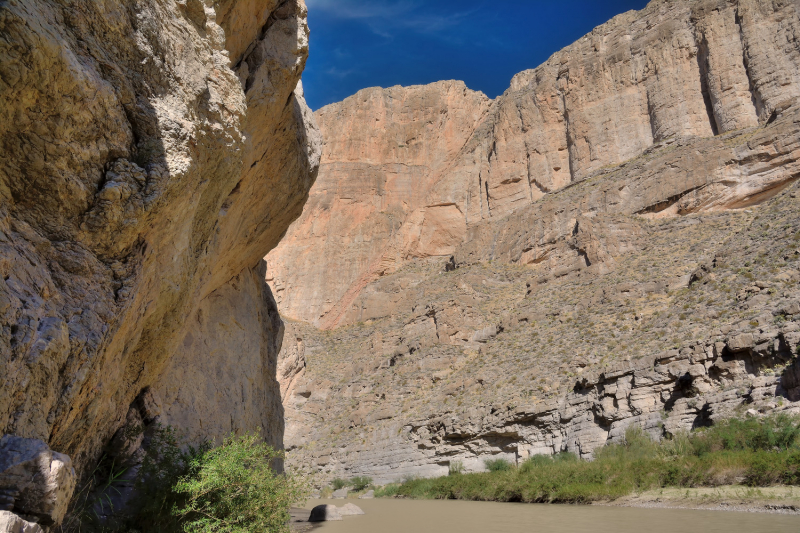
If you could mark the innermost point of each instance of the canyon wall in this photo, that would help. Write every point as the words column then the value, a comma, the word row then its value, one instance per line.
column 614, row 243
column 153, row 152
column 406, row 170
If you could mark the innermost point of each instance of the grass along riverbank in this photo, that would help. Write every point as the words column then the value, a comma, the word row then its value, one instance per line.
column 748, row 452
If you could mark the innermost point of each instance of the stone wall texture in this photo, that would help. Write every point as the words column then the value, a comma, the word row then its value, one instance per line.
column 612, row 241
column 407, row 171
column 152, row 152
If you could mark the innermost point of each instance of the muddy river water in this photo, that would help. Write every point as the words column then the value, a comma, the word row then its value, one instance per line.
column 407, row 516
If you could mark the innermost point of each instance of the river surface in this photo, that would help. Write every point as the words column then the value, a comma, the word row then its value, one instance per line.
column 411, row 516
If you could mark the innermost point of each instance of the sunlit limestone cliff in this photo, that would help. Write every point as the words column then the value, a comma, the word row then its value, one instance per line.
column 623, row 227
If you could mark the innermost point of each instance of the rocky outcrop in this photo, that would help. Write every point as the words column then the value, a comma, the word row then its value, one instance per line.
column 620, row 249
column 383, row 151
column 35, row 482
column 645, row 80
column 682, row 322
column 153, row 152
column 11, row 523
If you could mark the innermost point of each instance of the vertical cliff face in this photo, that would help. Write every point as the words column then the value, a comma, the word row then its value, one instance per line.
column 153, row 151
column 677, row 69
column 623, row 228
column 383, row 152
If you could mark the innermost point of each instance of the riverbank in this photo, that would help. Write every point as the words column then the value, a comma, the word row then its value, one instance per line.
column 774, row 500
column 740, row 459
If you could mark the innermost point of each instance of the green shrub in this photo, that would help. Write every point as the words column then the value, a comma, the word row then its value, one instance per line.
column 229, row 489
column 338, row 483
column 757, row 452
column 566, row 457
column 780, row 432
column 234, row 489
column 389, row 491
column 359, row 483
column 497, row 465
column 163, row 467
column 456, row 468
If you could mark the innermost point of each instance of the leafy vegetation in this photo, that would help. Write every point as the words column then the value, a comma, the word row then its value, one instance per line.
column 360, row 483
column 497, row 465
column 752, row 452
column 456, row 468
column 231, row 488
column 234, row 489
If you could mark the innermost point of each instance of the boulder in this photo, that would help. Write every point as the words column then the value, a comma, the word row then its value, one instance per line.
column 340, row 494
column 11, row 523
column 370, row 494
column 741, row 342
column 350, row 509
column 324, row 513
column 42, row 481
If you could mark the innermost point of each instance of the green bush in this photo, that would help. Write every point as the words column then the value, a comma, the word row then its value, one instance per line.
column 755, row 452
column 389, row 491
column 497, row 465
column 163, row 467
column 360, row 483
column 338, row 483
column 455, row 468
column 234, row 489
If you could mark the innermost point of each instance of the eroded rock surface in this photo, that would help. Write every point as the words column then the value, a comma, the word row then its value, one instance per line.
column 406, row 172
column 35, row 481
column 153, row 152
column 11, row 523
column 621, row 248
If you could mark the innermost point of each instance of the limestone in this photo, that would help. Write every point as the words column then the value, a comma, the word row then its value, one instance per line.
column 398, row 142
column 340, row 494
column 11, row 523
column 149, row 163
column 40, row 480
column 629, row 257
column 350, row 509
column 646, row 82
column 325, row 513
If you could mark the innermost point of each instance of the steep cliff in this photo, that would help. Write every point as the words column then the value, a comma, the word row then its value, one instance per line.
column 676, row 69
column 383, row 152
column 153, row 152
column 623, row 229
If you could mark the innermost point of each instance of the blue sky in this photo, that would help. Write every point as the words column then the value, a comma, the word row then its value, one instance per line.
column 366, row 43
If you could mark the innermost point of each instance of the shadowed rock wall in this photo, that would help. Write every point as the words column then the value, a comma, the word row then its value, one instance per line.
column 153, row 152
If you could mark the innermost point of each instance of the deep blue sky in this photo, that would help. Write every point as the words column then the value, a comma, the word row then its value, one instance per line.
column 366, row 43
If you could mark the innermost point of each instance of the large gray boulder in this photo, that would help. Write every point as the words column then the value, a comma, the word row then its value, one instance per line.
column 11, row 523
column 324, row 513
column 340, row 494
column 37, row 482
column 350, row 509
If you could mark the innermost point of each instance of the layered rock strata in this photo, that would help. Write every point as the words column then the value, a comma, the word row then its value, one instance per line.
column 153, row 152
column 624, row 252
column 405, row 171
column 682, row 322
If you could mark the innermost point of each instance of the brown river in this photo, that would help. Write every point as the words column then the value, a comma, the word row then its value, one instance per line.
column 409, row 516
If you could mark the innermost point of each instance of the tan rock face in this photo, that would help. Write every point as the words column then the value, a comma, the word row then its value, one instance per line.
column 675, row 70
column 153, row 152
column 623, row 224
column 384, row 150
column 38, row 481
